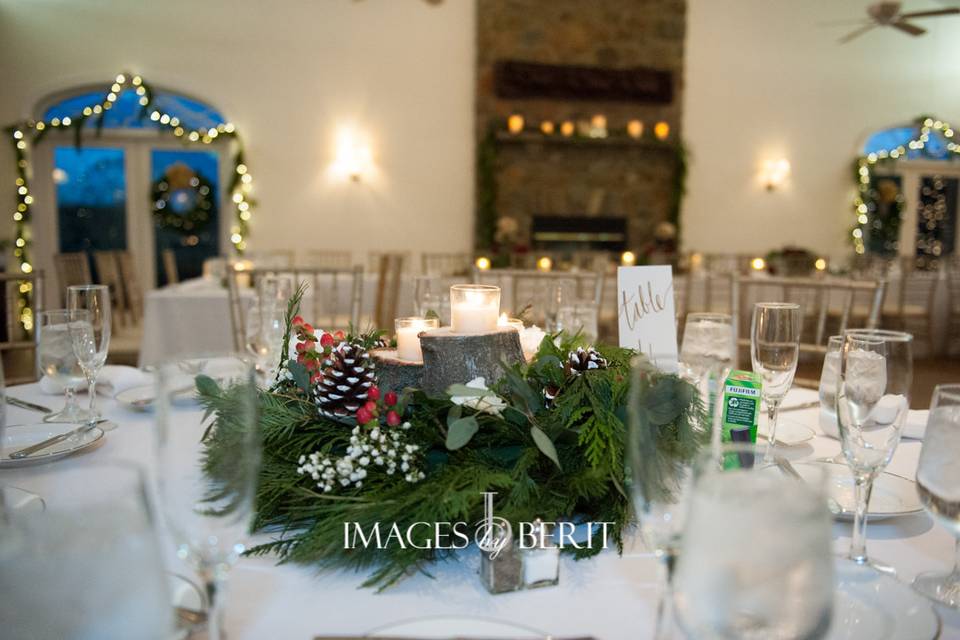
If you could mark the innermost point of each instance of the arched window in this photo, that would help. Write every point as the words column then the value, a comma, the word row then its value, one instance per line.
column 128, row 113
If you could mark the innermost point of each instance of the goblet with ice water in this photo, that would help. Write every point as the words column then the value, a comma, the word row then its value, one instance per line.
column 706, row 355
column 873, row 398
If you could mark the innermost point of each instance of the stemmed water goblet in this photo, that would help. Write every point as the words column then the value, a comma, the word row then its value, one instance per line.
column 208, row 501
column 873, row 398
column 58, row 362
column 90, row 333
column 938, row 483
column 774, row 352
column 706, row 355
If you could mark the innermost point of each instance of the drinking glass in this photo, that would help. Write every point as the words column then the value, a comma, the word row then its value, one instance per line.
column 579, row 316
column 755, row 559
column 275, row 290
column 706, row 356
column 90, row 566
column 659, row 488
column 938, row 483
column 873, row 397
column 265, row 325
column 432, row 294
column 90, row 334
column 59, row 362
column 208, row 501
column 828, row 393
column 774, row 351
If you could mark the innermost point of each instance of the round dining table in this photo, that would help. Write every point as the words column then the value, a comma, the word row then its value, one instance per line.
column 609, row 597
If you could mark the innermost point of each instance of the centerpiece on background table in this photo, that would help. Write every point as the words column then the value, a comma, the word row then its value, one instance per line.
column 548, row 436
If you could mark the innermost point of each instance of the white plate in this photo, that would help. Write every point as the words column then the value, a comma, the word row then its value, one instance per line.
column 790, row 433
column 869, row 605
column 456, row 627
column 143, row 397
column 892, row 496
column 21, row 436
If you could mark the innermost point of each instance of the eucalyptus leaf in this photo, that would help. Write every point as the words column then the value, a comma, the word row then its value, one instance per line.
column 207, row 386
column 545, row 444
column 461, row 431
column 463, row 390
column 430, row 314
column 300, row 375
column 454, row 414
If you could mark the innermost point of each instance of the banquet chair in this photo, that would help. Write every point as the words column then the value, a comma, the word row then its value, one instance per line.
column 334, row 294
column 108, row 273
column 911, row 307
column 18, row 345
column 538, row 290
column 445, row 264
column 170, row 271
column 826, row 306
column 389, row 272
column 271, row 259
column 72, row 268
column 953, row 291
column 328, row 258
column 374, row 260
column 133, row 292
column 727, row 262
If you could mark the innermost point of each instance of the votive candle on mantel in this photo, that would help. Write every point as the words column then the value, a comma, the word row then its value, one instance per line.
column 474, row 308
column 505, row 321
column 408, row 336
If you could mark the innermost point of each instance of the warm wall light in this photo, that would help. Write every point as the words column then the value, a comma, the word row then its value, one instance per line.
column 353, row 158
column 628, row 258
column 545, row 263
column 758, row 264
column 483, row 263
column 635, row 129
column 661, row 130
column 515, row 123
column 547, row 127
column 774, row 173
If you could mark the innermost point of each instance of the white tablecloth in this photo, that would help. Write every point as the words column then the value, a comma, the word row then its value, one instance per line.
column 609, row 597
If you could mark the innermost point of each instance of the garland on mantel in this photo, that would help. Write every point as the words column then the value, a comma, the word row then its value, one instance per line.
column 26, row 134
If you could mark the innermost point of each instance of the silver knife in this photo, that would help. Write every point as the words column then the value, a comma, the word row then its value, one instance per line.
column 23, row 404
column 49, row 442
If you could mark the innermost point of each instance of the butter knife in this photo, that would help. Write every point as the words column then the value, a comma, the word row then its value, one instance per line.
column 49, row 442
column 23, row 404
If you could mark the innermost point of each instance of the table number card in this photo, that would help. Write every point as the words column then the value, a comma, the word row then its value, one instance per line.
column 646, row 313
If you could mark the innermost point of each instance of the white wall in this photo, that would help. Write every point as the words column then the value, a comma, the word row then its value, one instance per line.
column 289, row 74
column 763, row 79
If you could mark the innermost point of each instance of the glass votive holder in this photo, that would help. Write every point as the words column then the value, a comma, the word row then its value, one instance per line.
column 408, row 336
column 474, row 308
column 505, row 321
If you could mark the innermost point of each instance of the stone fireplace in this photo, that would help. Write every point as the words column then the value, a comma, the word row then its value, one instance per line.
column 568, row 61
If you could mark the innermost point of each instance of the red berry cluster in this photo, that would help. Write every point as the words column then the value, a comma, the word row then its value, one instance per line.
column 377, row 405
column 307, row 353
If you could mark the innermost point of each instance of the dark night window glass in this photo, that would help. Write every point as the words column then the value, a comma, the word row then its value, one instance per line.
column 91, row 198
column 937, row 216
column 127, row 113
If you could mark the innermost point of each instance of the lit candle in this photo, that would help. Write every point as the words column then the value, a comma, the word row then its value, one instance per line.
column 474, row 308
column 506, row 321
column 635, row 129
column 547, row 127
column 545, row 264
column 242, row 269
column 515, row 123
column 661, row 130
column 408, row 336
column 566, row 128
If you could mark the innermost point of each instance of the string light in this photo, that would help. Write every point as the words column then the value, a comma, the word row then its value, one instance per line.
column 25, row 132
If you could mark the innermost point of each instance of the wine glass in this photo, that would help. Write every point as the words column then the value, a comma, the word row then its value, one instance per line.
column 266, row 323
column 58, row 361
column 938, row 483
column 873, row 397
column 275, row 290
column 706, row 355
column 774, row 351
column 90, row 566
column 659, row 487
column 828, row 393
column 207, row 501
column 90, row 334
column 755, row 559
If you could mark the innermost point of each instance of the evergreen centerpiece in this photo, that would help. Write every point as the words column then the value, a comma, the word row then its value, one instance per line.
column 549, row 438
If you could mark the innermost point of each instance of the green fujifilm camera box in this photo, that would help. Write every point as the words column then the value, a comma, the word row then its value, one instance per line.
column 741, row 406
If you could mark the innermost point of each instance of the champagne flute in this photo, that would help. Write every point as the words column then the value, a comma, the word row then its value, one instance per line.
column 90, row 334
column 756, row 559
column 265, row 325
column 873, row 397
column 58, row 362
column 938, row 483
column 208, row 501
column 774, row 351
column 659, row 488
column 706, row 355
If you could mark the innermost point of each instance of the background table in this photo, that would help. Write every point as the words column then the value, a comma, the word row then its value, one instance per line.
column 609, row 597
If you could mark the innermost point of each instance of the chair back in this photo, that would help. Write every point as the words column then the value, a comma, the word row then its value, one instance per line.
column 333, row 297
column 374, row 260
column 271, row 259
column 826, row 305
column 108, row 273
column 72, row 269
column 133, row 292
column 17, row 339
column 389, row 273
column 238, row 315
column 329, row 259
column 170, row 271
column 539, row 290
column 445, row 264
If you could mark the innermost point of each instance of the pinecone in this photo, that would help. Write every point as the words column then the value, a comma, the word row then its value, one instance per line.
column 550, row 393
column 584, row 360
column 347, row 374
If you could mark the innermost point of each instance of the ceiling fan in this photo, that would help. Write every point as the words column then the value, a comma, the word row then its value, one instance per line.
column 887, row 14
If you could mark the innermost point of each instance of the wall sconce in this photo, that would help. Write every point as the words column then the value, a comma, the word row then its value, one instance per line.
column 353, row 158
column 774, row 173
column 635, row 129
column 661, row 130
column 515, row 123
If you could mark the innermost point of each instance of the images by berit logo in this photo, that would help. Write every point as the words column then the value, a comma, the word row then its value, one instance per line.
column 491, row 535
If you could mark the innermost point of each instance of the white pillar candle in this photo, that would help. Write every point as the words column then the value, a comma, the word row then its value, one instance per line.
column 474, row 308
column 408, row 336
column 505, row 321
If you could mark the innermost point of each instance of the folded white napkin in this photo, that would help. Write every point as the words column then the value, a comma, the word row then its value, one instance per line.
column 913, row 429
column 112, row 380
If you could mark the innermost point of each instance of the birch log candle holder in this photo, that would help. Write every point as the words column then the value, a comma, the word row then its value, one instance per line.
column 457, row 358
